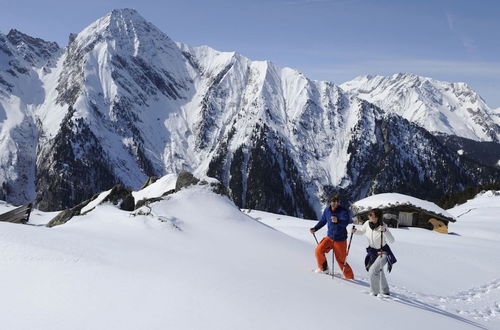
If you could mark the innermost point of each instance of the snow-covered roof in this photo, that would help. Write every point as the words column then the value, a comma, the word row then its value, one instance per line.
column 383, row 201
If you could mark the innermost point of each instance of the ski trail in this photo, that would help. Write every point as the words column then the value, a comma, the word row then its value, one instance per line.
column 458, row 216
column 411, row 299
column 479, row 303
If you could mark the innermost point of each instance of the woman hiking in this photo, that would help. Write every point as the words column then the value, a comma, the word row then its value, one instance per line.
column 378, row 251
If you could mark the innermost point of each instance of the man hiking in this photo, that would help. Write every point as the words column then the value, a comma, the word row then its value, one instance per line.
column 337, row 218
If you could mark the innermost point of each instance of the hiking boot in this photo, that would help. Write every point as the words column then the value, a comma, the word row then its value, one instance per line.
column 321, row 271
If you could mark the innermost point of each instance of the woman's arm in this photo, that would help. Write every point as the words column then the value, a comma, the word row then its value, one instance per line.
column 388, row 236
column 361, row 230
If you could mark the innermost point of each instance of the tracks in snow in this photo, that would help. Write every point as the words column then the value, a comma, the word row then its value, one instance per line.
column 479, row 303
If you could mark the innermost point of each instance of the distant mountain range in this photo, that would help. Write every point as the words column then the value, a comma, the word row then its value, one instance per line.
column 439, row 107
column 123, row 102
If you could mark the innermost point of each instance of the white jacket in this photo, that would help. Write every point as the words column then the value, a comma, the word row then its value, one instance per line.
column 374, row 236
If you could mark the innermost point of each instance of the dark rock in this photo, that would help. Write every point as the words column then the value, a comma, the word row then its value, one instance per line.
column 62, row 217
column 185, row 179
column 217, row 188
column 147, row 201
column 166, row 193
column 128, row 203
column 118, row 196
column 66, row 215
column 122, row 197
column 149, row 181
column 72, row 37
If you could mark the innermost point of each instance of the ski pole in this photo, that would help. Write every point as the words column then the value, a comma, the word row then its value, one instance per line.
column 333, row 260
column 349, row 246
column 315, row 238
column 381, row 255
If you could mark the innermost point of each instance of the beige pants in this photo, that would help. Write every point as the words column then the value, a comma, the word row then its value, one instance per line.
column 378, row 282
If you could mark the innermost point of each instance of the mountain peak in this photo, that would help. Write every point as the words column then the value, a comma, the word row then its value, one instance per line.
column 35, row 51
column 403, row 75
column 127, row 30
column 17, row 38
column 126, row 16
column 121, row 24
column 126, row 12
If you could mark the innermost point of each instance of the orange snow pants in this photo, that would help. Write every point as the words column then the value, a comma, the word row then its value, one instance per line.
column 340, row 252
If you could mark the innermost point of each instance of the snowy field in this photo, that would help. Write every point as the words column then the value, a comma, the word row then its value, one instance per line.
column 198, row 262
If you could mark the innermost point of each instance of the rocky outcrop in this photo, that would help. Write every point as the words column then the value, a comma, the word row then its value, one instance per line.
column 66, row 215
column 119, row 196
column 185, row 179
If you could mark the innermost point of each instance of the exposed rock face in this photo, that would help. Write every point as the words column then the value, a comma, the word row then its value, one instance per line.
column 34, row 51
column 122, row 197
column 148, row 201
column 485, row 153
column 263, row 176
column 408, row 159
column 64, row 216
column 185, row 179
column 119, row 195
column 84, row 171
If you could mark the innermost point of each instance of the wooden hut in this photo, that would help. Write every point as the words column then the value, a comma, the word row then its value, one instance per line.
column 404, row 211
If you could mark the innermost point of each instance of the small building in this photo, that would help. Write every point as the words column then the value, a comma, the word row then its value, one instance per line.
column 404, row 211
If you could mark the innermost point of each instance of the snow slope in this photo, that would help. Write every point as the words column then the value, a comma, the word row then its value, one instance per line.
column 455, row 273
column 198, row 262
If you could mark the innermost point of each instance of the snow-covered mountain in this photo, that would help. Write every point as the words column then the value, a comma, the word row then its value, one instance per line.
column 450, row 108
column 24, row 62
column 123, row 102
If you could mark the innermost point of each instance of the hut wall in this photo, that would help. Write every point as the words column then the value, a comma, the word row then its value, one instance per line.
column 420, row 218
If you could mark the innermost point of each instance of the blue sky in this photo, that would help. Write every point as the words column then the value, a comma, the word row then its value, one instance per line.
column 335, row 40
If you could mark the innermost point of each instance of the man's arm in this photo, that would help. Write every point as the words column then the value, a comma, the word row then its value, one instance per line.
column 320, row 223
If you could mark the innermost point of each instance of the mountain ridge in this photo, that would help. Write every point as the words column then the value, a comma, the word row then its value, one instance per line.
column 442, row 107
column 124, row 102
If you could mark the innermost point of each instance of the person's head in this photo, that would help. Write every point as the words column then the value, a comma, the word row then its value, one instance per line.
column 375, row 215
column 335, row 200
